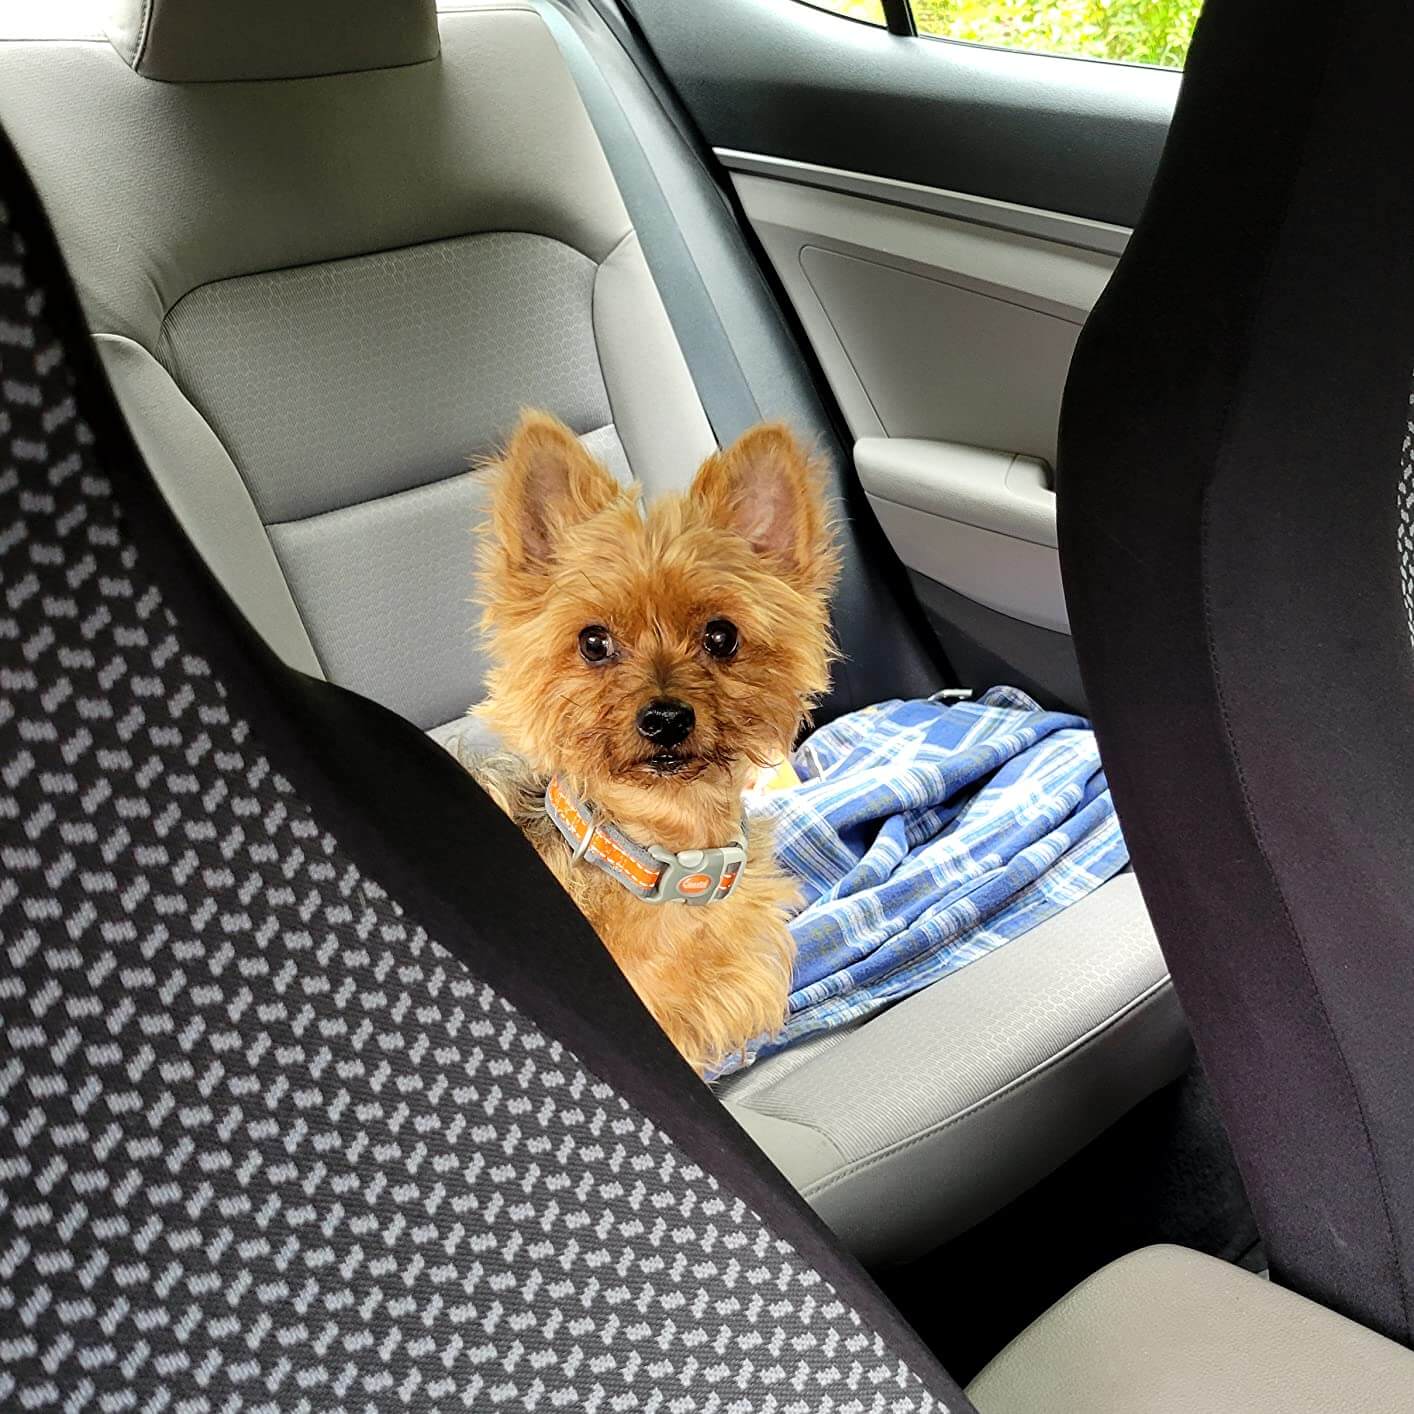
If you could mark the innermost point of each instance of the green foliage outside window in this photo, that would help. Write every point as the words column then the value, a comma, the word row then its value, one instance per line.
column 1133, row 31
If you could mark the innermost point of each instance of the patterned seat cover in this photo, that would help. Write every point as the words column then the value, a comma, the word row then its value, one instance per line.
column 298, row 1113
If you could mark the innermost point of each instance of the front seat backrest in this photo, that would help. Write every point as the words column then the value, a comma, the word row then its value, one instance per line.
column 327, row 261
column 314, row 1092
column 1236, row 501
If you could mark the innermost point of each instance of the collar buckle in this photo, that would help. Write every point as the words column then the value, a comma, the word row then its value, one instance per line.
column 697, row 876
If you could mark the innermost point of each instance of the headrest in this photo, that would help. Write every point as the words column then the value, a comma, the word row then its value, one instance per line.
column 198, row 41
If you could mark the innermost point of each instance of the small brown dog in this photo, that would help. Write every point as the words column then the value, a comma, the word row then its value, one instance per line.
column 643, row 667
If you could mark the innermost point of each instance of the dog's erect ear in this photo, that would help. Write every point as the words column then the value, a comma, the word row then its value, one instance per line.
column 770, row 491
column 545, row 483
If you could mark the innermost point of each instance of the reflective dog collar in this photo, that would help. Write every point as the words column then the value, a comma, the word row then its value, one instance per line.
column 648, row 872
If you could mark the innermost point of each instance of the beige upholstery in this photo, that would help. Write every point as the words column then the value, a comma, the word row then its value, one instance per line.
column 208, row 496
column 1167, row 1331
column 176, row 186
column 187, row 41
column 909, row 1130
column 321, row 298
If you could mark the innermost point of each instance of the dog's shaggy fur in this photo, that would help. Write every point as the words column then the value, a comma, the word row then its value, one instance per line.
column 567, row 548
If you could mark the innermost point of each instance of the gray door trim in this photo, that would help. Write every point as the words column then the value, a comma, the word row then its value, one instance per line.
column 961, row 206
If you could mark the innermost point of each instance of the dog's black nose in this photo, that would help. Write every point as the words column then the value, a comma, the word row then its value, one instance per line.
column 666, row 722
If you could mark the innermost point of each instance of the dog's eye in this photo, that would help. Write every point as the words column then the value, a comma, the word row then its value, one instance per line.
column 720, row 638
column 596, row 644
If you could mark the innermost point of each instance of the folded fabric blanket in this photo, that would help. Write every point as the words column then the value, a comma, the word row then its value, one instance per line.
column 923, row 836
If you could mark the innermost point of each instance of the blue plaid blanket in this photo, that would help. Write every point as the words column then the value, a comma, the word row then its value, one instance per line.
column 923, row 836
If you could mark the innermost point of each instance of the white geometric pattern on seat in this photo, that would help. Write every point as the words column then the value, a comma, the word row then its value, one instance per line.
column 1405, row 532
column 264, row 1145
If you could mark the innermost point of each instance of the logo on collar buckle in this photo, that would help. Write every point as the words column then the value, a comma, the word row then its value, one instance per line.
column 697, row 875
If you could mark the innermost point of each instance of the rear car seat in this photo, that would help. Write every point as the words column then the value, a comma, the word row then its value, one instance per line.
column 327, row 251
column 243, row 1172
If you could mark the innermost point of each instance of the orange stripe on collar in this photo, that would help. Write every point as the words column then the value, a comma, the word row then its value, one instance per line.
column 649, row 872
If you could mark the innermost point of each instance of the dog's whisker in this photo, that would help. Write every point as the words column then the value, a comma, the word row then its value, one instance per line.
column 580, row 574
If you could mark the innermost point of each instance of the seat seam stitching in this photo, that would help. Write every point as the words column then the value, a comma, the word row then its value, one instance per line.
column 472, row 471
column 801, row 1123
column 276, row 270
column 144, row 29
column 100, row 336
column 599, row 267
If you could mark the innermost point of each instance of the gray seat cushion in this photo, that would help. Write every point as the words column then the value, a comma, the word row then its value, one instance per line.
column 1167, row 1331
column 927, row 1118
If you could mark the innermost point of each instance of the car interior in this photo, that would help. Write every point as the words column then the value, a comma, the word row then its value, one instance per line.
column 315, row 1091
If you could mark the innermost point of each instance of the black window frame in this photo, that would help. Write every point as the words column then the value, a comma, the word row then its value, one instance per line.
column 898, row 17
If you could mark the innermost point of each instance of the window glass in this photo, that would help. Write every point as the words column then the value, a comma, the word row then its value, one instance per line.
column 1132, row 31
column 870, row 10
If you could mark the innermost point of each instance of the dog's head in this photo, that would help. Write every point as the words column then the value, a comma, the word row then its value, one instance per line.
column 661, row 650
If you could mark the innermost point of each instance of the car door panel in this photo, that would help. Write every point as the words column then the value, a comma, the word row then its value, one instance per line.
column 945, row 331
column 942, row 218
column 945, row 334
column 982, row 523
column 780, row 78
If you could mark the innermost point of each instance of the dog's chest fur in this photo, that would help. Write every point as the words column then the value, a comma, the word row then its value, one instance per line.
column 711, row 974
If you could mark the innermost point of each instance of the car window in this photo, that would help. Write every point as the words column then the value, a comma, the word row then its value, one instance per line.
column 871, row 11
column 1132, row 31
column 1126, row 31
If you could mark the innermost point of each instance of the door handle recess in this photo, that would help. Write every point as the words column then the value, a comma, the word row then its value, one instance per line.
column 981, row 522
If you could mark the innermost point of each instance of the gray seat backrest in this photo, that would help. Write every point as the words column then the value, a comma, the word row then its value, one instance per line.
column 328, row 254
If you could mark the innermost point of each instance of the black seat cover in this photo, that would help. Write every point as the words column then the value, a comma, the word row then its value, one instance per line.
column 1236, row 500
column 315, row 1093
